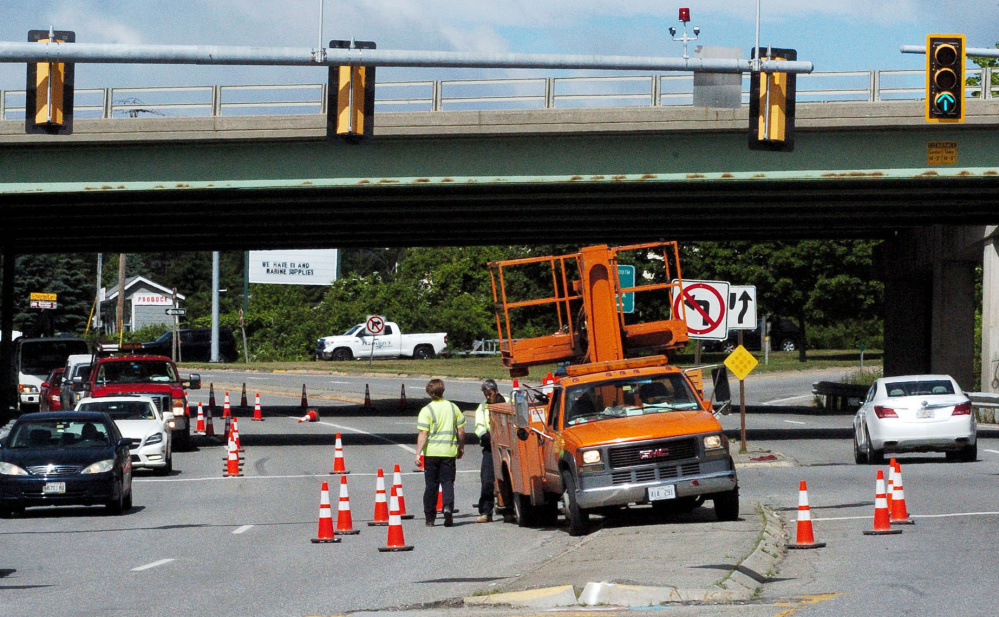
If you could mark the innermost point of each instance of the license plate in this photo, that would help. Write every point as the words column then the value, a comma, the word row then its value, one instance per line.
column 54, row 488
column 658, row 493
column 924, row 413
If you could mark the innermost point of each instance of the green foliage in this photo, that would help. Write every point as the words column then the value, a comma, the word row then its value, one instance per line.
column 70, row 277
column 976, row 80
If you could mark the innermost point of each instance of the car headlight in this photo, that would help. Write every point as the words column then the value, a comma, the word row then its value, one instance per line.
column 713, row 442
column 100, row 467
column 27, row 389
column 591, row 457
column 154, row 438
column 9, row 469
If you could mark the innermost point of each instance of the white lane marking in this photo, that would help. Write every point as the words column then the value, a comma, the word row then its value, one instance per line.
column 783, row 400
column 794, row 422
column 257, row 378
column 242, row 529
column 295, row 477
column 950, row 515
column 357, row 430
column 993, row 451
column 151, row 565
column 342, row 382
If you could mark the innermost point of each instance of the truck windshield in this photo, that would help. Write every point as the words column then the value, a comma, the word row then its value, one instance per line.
column 628, row 397
column 136, row 371
column 353, row 330
column 40, row 357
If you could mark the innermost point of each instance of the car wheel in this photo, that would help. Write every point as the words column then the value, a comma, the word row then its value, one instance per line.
column 859, row 456
column 576, row 518
column 788, row 344
column 728, row 347
column 727, row 505
column 126, row 503
column 117, row 506
column 166, row 469
column 968, row 454
column 874, row 456
column 423, row 352
column 341, row 355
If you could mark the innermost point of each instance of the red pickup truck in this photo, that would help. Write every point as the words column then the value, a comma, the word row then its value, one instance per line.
column 153, row 376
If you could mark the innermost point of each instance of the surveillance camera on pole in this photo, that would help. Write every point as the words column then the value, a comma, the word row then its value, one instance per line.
column 684, row 19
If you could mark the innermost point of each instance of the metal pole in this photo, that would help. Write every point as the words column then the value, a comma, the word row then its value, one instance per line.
column 97, row 295
column 176, row 319
column 120, row 314
column 742, row 415
column 215, row 306
column 756, row 59
column 320, row 45
column 296, row 56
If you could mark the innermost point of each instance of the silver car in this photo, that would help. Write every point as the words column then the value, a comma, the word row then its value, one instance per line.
column 915, row 413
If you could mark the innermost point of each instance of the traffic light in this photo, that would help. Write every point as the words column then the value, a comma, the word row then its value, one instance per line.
column 771, row 106
column 350, row 101
column 945, row 58
column 48, row 104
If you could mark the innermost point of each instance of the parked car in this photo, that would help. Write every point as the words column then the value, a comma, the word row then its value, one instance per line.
column 139, row 420
column 195, row 345
column 77, row 372
column 915, row 413
column 359, row 343
column 65, row 458
column 784, row 336
column 50, row 392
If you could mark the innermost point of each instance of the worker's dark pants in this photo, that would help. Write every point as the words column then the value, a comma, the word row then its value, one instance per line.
column 438, row 471
column 487, row 476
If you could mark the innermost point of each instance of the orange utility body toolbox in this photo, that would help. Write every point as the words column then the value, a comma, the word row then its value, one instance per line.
column 615, row 430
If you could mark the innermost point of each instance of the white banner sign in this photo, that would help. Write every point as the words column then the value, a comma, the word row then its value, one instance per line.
column 151, row 300
column 293, row 267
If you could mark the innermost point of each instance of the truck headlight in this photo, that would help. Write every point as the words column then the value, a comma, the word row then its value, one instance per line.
column 591, row 457
column 26, row 389
column 714, row 442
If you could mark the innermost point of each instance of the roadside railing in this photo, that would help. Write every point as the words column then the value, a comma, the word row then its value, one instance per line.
column 480, row 94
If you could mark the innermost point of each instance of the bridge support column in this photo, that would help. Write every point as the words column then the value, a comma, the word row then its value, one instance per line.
column 990, row 313
column 930, row 302
column 8, row 380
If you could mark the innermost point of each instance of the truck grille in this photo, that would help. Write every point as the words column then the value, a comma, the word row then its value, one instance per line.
column 162, row 401
column 653, row 452
column 651, row 474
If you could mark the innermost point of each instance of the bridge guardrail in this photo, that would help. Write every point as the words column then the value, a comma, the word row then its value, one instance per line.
column 479, row 94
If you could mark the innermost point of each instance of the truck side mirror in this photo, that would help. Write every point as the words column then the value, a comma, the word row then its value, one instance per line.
column 195, row 382
column 722, row 391
column 522, row 413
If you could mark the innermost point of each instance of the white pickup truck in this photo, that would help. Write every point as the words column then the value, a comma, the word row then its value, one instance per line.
column 391, row 343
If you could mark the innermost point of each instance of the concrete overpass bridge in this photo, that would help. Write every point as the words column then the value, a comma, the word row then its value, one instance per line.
column 585, row 175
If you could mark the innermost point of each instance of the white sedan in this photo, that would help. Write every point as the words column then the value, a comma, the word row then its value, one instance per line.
column 915, row 413
column 139, row 420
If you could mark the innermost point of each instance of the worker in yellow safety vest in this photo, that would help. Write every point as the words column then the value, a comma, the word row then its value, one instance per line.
column 442, row 442
column 487, row 475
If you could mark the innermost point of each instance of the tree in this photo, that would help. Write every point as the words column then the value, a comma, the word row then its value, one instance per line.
column 976, row 80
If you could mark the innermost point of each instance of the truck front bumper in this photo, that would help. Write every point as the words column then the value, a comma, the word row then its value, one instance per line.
column 612, row 489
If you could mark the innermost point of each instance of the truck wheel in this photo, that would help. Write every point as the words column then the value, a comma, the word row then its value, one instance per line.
column 182, row 439
column 727, row 506
column 342, row 355
column 523, row 511
column 547, row 514
column 423, row 352
column 576, row 518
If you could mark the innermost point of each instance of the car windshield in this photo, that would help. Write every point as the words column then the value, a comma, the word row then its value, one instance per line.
column 629, row 397
column 919, row 388
column 136, row 371
column 59, row 434
column 40, row 357
column 122, row 410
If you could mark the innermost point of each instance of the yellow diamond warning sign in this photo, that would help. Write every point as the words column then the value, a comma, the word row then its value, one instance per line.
column 741, row 362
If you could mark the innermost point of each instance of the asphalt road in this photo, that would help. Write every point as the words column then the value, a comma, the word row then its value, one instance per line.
column 197, row 543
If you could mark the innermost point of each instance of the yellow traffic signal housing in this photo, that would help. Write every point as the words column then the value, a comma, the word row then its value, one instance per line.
column 771, row 106
column 945, row 60
column 350, row 103
column 48, row 104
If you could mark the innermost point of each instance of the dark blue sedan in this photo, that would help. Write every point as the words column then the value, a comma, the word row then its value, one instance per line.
column 65, row 458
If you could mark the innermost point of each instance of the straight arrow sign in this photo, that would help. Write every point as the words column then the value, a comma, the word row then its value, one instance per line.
column 742, row 307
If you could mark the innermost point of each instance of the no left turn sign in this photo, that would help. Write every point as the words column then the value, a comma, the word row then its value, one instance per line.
column 706, row 307
column 375, row 324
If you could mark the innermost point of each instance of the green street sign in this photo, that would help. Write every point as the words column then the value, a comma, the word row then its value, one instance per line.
column 626, row 274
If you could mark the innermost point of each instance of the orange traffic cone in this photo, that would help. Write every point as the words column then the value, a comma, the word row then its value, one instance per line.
column 899, row 514
column 211, row 396
column 440, row 498
column 325, row 535
column 226, row 409
column 890, row 489
column 312, row 416
column 381, row 506
column 305, row 399
column 258, row 415
column 367, row 398
column 805, row 537
column 232, row 465
column 242, row 397
column 200, row 427
column 228, row 427
column 209, row 423
column 882, row 524
column 397, row 487
column 395, row 541
column 235, row 435
column 344, row 523
column 338, row 465
column 402, row 399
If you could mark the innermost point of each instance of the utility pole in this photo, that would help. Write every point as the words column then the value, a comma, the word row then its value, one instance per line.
column 120, row 319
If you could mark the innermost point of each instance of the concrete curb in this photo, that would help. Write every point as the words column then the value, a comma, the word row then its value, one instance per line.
column 741, row 584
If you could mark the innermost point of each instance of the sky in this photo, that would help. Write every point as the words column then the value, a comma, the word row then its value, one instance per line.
column 836, row 35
